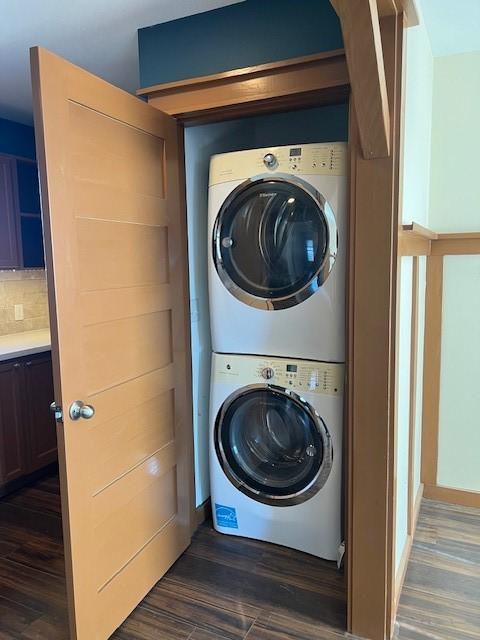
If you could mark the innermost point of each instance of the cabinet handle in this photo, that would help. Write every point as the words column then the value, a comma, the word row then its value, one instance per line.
column 16, row 365
column 28, row 363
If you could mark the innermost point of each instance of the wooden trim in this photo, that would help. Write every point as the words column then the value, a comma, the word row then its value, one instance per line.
column 318, row 79
column 417, row 505
column 469, row 235
column 415, row 240
column 363, row 48
column 259, row 69
column 432, row 362
column 203, row 512
column 372, row 366
column 452, row 496
column 418, row 230
column 456, row 244
column 402, row 569
column 403, row 566
column 393, row 7
column 413, row 397
column 411, row 245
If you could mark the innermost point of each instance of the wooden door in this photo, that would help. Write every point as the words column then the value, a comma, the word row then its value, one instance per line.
column 40, row 429
column 115, row 242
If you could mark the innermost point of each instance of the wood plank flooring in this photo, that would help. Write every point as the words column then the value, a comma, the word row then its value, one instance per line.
column 226, row 588
column 222, row 588
column 441, row 594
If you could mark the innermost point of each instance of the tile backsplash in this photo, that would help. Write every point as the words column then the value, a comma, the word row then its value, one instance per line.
column 27, row 288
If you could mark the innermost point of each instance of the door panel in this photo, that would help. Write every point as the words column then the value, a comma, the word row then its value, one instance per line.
column 107, row 265
column 13, row 452
column 116, row 254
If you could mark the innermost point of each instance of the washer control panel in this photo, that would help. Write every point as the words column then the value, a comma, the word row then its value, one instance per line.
column 299, row 375
column 328, row 158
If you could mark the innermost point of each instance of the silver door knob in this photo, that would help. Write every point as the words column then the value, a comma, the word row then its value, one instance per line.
column 79, row 409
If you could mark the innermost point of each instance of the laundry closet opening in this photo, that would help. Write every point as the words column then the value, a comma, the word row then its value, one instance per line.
column 294, row 128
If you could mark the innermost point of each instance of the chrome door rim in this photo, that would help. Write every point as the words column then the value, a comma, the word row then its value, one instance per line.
column 271, row 304
column 313, row 487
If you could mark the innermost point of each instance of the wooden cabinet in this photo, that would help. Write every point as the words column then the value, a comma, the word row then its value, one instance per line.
column 39, row 423
column 13, row 458
column 21, row 238
column 28, row 440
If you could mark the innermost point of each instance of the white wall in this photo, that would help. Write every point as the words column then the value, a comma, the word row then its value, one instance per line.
column 310, row 125
column 455, row 207
column 200, row 144
column 455, row 183
column 415, row 178
column 459, row 419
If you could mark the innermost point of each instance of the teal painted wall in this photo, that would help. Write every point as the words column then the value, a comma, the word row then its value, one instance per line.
column 239, row 35
column 17, row 139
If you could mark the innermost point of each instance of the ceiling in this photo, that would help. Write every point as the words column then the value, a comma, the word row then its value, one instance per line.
column 99, row 35
column 453, row 27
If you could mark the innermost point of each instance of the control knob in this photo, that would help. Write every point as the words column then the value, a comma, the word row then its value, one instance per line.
column 270, row 161
column 268, row 373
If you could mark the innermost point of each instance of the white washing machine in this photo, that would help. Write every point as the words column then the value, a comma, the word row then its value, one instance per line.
column 276, row 451
column 277, row 251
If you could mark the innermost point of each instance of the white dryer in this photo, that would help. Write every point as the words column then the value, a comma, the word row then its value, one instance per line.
column 277, row 251
column 276, row 451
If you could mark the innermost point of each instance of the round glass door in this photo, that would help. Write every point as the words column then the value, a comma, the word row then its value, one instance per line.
column 275, row 242
column 272, row 445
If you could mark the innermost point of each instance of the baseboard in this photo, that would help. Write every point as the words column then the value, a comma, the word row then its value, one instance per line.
column 19, row 483
column 416, row 507
column 203, row 512
column 452, row 496
column 402, row 569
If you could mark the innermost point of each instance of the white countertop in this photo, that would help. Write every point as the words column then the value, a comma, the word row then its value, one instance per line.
column 24, row 343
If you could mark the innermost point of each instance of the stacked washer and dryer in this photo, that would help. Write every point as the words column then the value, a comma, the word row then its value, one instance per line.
column 277, row 266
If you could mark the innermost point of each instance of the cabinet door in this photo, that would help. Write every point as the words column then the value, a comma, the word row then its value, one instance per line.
column 9, row 231
column 40, row 427
column 30, row 219
column 13, row 459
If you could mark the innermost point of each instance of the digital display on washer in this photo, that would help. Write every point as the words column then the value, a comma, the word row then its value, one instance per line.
column 295, row 152
column 292, row 368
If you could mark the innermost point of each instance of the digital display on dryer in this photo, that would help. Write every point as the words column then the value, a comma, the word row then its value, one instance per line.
column 295, row 152
column 292, row 368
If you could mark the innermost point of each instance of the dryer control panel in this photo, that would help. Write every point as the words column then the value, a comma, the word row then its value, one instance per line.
column 307, row 159
column 299, row 375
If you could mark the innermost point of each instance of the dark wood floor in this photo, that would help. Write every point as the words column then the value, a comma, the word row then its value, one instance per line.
column 231, row 588
column 441, row 595
column 221, row 588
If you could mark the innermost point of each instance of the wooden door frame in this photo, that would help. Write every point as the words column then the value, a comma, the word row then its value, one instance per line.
column 374, row 196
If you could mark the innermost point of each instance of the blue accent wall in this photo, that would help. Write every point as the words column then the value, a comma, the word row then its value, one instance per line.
column 240, row 35
column 17, row 139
